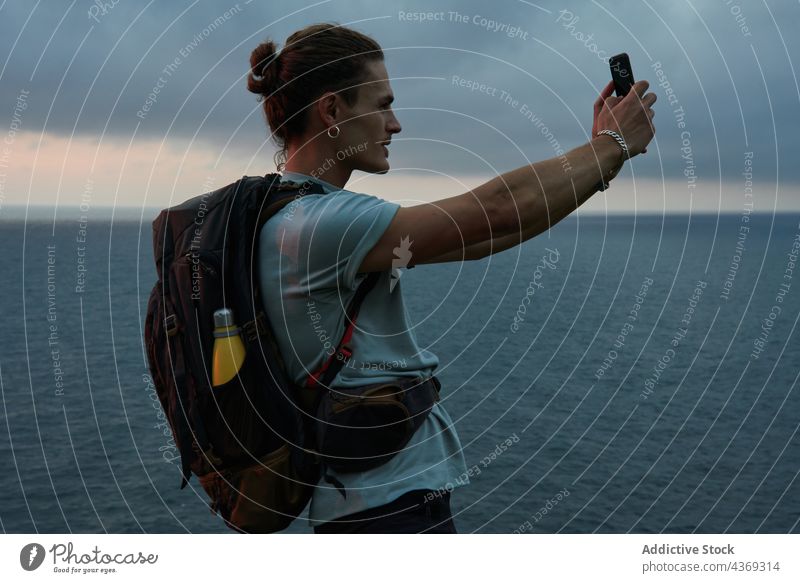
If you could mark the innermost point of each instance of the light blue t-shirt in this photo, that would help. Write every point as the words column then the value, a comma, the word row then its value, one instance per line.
column 310, row 252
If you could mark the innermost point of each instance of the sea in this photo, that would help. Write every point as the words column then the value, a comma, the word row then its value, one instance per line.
column 615, row 374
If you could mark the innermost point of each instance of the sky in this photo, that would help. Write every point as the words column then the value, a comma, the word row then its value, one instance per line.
column 143, row 104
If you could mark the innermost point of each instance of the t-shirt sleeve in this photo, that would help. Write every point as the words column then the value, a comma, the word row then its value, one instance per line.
column 336, row 232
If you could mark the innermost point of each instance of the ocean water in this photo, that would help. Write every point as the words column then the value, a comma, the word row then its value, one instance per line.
column 640, row 371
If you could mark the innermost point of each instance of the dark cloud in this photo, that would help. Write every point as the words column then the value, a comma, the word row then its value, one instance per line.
column 90, row 70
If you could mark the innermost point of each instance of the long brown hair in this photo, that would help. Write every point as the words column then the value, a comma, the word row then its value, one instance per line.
column 314, row 60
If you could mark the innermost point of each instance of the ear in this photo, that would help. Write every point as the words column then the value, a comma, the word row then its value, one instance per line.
column 328, row 108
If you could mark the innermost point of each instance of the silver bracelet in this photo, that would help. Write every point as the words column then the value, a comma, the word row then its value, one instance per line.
column 618, row 139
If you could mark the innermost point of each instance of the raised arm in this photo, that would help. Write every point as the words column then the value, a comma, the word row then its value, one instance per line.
column 558, row 200
column 522, row 203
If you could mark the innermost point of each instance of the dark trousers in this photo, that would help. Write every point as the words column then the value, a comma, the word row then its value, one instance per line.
column 413, row 512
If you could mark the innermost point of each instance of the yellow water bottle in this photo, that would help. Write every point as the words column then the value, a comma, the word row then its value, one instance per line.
column 228, row 348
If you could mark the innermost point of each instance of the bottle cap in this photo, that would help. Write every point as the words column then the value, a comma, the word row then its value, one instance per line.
column 223, row 318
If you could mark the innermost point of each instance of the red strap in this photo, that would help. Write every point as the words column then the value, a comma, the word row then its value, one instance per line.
column 343, row 351
column 343, row 348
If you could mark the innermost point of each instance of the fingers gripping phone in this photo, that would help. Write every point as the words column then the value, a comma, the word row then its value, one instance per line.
column 621, row 74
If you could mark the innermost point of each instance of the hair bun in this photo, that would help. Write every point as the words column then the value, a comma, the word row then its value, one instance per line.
column 264, row 69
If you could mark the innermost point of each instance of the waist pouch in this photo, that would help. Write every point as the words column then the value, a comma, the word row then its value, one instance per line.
column 361, row 428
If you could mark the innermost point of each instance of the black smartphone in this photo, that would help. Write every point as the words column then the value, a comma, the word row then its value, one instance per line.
column 621, row 73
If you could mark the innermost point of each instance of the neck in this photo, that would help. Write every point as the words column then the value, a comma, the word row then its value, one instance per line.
column 319, row 164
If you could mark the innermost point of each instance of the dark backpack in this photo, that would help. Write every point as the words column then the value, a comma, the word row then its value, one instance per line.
column 255, row 442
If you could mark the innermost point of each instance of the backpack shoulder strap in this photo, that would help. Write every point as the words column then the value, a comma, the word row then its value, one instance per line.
column 281, row 193
column 330, row 368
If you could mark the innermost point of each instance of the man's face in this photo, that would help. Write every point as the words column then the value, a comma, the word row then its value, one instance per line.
column 370, row 124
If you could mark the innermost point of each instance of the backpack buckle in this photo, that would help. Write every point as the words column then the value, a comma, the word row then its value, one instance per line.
column 171, row 323
column 255, row 328
column 344, row 353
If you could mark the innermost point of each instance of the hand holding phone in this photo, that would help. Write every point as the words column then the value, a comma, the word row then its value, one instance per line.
column 623, row 81
column 631, row 118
